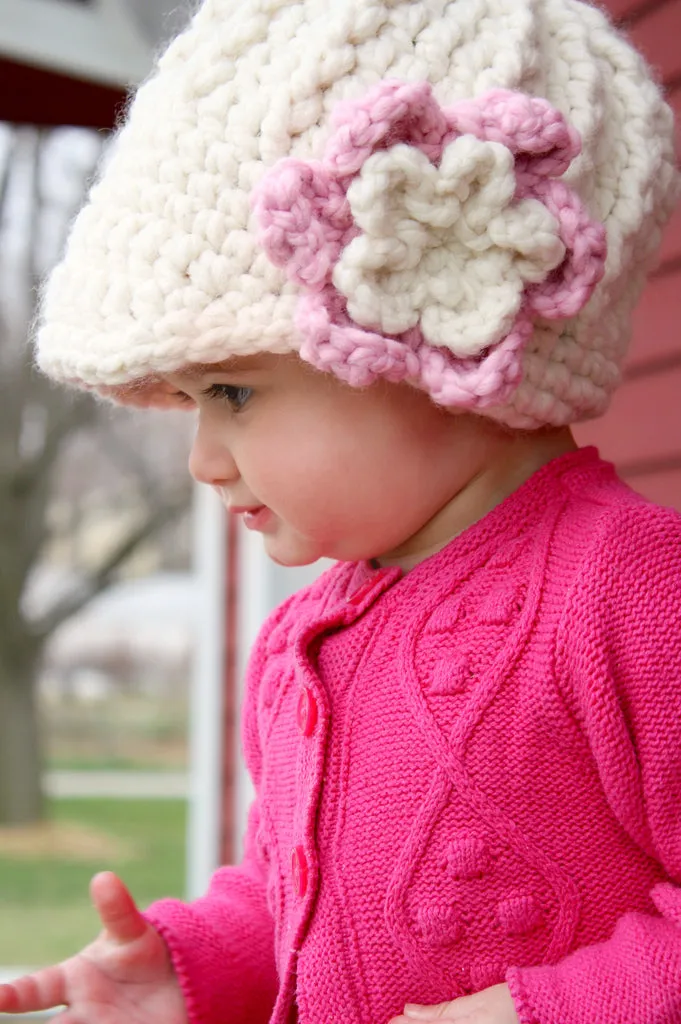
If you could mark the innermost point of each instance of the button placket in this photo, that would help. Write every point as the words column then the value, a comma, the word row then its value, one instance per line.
column 311, row 716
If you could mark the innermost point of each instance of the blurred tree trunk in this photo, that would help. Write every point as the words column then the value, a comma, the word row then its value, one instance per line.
column 36, row 419
column 20, row 761
column 21, row 796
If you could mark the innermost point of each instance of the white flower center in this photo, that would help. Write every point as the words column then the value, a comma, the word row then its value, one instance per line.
column 448, row 247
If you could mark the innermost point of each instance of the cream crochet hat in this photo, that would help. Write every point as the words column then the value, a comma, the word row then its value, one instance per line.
column 464, row 194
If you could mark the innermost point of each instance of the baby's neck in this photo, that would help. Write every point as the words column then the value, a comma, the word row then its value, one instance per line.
column 511, row 459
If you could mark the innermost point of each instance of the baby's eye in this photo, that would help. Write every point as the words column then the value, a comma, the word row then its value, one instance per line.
column 235, row 396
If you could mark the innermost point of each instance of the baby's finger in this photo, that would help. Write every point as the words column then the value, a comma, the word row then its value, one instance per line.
column 116, row 908
column 34, row 992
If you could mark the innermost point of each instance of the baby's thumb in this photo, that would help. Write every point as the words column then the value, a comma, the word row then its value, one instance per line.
column 116, row 908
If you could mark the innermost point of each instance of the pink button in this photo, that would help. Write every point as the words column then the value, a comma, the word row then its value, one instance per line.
column 306, row 713
column 299, row 870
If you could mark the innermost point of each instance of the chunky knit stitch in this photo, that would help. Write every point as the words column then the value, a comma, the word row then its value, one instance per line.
column 440, row 228
column 465, row 775
column 527, row 123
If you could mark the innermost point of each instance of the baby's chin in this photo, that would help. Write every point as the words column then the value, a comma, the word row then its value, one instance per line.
column 287, row 547
column 292, row 552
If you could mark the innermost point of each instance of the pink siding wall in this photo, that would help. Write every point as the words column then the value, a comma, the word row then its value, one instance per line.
column 642, row 430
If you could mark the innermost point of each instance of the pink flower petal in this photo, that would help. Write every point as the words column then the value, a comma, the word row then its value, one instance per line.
column 305, row 220
column 390, row 113
column 535, row 132
column 332, row 342
column 568, row 288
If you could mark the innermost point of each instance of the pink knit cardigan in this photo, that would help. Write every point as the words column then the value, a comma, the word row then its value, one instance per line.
column 464, row 775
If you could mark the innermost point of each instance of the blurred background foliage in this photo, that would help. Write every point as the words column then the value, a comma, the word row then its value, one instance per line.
column 97, row 596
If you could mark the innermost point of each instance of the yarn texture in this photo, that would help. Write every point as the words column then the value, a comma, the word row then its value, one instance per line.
column 465, row 775
column 448, row 247
column 489, row 247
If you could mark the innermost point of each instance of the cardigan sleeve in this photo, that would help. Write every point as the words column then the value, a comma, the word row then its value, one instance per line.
column 222, row 945
column 619, row 657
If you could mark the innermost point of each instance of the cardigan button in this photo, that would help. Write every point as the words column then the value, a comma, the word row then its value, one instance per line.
column 306, row 712
column 299, row 871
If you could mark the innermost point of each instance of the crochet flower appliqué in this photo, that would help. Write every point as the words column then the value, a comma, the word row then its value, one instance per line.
column 427, row 239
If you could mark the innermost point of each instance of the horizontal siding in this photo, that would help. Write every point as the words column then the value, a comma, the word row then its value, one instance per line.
column 630, row 11
column 643, row 424
column 621, row 9
column 657, row 323
column 670, row 250
column 657, row 36
column 662, row 487
column 641, row 432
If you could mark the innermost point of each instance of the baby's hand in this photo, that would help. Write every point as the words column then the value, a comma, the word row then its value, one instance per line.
column 124, row 977
column 491, row 1006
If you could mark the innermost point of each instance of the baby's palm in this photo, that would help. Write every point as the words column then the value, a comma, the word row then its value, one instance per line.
column 124, row 977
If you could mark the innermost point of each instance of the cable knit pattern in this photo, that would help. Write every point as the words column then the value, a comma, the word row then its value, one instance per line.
column 468, row 774
column 163, row 265
column 443, row 220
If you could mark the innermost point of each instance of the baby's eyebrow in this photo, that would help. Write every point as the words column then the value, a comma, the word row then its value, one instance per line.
column 236, row 364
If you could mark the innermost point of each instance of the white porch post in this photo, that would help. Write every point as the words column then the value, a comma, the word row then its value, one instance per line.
column 207, row 692
column 255, row 603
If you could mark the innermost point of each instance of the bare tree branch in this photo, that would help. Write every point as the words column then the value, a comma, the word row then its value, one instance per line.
column 131, row 461
column 63, row 418
column 156, row 518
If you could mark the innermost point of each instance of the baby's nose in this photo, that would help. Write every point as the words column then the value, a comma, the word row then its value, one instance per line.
column 210, row 460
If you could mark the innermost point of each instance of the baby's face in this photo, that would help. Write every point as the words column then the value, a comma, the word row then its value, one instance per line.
column 324, row 469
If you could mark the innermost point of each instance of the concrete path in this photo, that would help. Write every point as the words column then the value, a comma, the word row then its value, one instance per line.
column 126, row 785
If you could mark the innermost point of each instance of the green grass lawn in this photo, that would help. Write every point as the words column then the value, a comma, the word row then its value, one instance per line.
column 112, row 764
column 45, row 914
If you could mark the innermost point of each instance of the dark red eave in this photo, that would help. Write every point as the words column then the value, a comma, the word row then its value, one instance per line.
column 34, row 95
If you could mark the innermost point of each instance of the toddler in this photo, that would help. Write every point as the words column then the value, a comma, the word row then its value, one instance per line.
column 388, row 251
